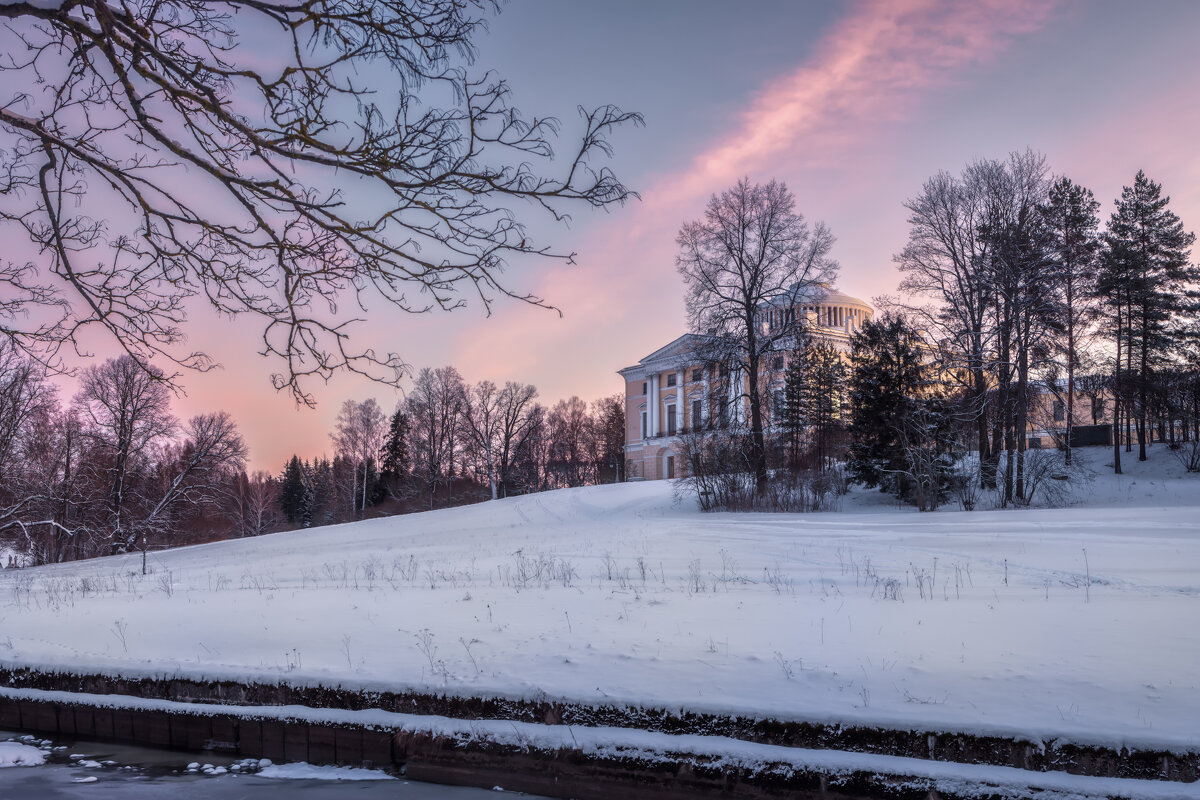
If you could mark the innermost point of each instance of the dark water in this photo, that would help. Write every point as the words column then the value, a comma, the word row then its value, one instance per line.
column 104, row 771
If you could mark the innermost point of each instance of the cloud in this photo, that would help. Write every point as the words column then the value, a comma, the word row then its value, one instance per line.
column 875, row 65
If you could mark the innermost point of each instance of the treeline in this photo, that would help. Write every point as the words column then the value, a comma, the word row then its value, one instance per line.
column 450, row 443
column 112, row 470
column 1028, row 294
column 1022, row 317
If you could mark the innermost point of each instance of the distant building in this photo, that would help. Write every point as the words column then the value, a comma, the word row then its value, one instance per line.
column 675, row 390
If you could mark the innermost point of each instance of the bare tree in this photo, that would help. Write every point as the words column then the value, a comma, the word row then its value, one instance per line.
column 748, row 263
column 434, row 405
column 252, row 503
column 1025, row 316
column 126, row 408
column 262, row 503
column 567, row 428
column 481, row 421
column 30, row 457
column 264, row 113
column 945, row 259
column 496, row 421
column 607, row 437
column 24, row 392
column 975, row 248
column 361, row 428
column 211, row 453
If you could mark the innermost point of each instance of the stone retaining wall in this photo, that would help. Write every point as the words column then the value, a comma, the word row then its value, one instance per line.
column 428, row 758
column 422, row 757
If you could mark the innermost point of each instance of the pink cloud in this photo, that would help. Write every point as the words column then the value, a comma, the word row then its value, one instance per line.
column 875, row 65
column 872, row 67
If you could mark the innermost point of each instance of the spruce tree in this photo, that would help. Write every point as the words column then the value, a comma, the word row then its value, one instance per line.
column 292, row 492
column 887, row 377
column 395, row 462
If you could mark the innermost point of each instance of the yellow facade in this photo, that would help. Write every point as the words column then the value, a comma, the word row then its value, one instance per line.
column 671, row 391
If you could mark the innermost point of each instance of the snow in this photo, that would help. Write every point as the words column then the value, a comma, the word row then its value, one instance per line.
column 15, row 754
column 301, row 770
column 1074, row 624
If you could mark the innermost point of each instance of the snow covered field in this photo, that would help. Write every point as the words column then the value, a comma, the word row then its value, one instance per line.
column 1076, row 623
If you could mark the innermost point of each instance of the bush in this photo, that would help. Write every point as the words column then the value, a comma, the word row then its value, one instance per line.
column 720, row 478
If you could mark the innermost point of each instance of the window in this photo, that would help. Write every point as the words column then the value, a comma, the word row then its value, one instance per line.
column 644, row 425
column 1060, row 411
column 670, row 467
column 697, row 376
column 696, row 420
column 671, row 379
column 643, row 387
column 724, row 370
column 778, row 402
column 777, row 363
column 671, row 420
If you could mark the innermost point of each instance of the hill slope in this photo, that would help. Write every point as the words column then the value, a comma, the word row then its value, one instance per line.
column 1074, row 623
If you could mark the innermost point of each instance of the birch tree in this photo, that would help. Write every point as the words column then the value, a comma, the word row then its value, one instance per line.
column 359, row 435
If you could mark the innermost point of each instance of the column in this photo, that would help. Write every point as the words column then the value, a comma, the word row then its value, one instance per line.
column 652, row 401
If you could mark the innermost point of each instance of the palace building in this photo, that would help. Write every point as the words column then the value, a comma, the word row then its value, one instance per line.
column 675, row 390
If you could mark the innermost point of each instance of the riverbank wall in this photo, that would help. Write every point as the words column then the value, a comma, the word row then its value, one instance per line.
column 559, row 749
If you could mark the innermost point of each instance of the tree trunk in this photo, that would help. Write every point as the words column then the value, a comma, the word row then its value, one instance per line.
column 1070, row 364
column 1022, row 414
column 1144, row 380
column 363, row 512
column 758, row 449
column 1116, row 416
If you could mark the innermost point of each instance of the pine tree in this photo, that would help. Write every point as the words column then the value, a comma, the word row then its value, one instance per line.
column 1071, row 223
column 1146, row 274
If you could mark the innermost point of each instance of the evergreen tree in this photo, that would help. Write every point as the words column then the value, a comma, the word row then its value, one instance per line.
column 292, row 492
column 814, row 403
column 887, row 377
column 822, row 399
column 791, row 422
column 333, row 490
column 394, row 460
column 1146, row 274
column 1071, row 224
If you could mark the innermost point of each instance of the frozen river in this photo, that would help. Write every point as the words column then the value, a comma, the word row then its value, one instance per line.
column 103, row 771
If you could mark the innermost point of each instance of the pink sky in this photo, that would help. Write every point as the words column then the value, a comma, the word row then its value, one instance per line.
column 853, row 108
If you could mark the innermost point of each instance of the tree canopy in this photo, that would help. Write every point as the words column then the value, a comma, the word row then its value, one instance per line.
column 162, row 156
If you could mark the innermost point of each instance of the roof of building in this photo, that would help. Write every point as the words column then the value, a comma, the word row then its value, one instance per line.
column 690, row 342
column 835, row 298
column 818, row 294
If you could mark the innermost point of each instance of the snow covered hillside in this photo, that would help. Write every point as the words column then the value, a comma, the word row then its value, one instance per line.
column 1076, row 623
